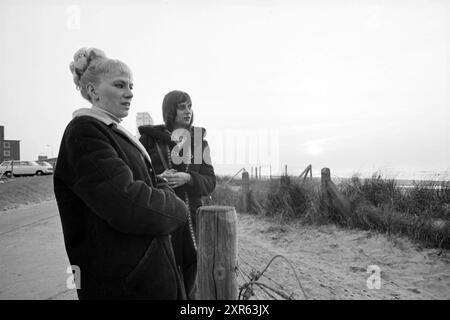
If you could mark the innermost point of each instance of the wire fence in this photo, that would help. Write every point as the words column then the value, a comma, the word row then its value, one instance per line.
column 257, row 284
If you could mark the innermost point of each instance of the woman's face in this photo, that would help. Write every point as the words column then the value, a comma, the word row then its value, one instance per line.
column 114, row 93
column 184, row 115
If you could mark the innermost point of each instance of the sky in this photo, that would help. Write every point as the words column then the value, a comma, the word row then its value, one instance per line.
column 355, row 86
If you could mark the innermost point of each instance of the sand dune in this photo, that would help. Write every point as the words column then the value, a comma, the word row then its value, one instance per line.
column 332, row 263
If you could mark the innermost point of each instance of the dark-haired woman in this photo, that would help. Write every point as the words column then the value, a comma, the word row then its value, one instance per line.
column 180, row 154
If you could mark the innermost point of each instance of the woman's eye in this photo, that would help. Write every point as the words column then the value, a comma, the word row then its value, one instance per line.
column 119, row 85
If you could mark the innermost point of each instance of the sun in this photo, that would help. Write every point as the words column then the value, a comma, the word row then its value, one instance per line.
column 313, row 148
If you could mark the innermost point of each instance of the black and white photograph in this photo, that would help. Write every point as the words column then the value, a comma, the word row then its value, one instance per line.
column 221, row 150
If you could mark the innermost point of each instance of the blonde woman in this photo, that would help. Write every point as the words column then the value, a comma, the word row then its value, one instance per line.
column 119, row 221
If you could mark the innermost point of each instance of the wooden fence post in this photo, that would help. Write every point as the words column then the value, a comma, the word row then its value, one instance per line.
column 245, row 191
column 333, row 197
column 340, row 202
column 304, row 173
column 217, row 253
column 325, row 179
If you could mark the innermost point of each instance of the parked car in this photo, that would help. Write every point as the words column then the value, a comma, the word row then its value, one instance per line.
column 48, row 165
column 29, row 168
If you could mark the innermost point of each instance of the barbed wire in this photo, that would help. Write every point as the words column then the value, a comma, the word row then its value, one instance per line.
column 280, row 293
column 246, row 290
column 265, row 291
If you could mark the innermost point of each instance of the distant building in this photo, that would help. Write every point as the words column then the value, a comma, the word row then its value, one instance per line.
column 45, row 158
column 9, row 149
column 142, row 119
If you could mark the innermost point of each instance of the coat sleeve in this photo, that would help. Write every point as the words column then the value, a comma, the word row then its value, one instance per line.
column 204, row 181
column 106, row 185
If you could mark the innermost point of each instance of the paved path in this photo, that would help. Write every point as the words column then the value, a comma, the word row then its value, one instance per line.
column 33, row 259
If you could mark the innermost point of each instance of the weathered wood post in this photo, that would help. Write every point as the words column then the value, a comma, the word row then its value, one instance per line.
column 333, row 197
column 326, row 178
column 304, row 173
column 245, row 190
column 217, row 253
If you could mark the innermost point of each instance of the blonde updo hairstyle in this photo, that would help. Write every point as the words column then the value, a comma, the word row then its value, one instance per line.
column 89, row 65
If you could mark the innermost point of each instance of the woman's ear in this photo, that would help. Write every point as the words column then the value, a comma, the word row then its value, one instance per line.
column 92, row 92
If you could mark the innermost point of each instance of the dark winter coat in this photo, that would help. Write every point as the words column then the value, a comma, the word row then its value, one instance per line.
column 200, row 167
column 119, row 226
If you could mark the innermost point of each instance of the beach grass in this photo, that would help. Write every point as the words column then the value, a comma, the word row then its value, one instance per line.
column 420, row 211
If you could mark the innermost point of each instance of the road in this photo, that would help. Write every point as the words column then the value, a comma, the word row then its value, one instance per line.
column 33, row 258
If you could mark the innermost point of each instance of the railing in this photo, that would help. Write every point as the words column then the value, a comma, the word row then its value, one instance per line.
column 12, row 170
column 245, row 183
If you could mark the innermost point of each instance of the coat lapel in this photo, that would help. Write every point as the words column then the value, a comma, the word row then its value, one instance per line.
column 137, row 144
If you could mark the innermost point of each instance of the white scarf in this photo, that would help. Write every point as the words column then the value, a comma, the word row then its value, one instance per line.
column 108, row 118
